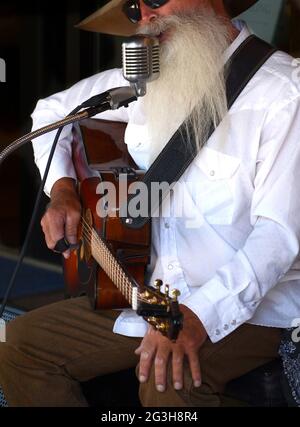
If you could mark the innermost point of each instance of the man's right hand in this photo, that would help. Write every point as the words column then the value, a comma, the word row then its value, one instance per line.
column 62, row 216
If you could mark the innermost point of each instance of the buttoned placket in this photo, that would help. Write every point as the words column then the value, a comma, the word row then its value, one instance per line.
column 172, row 270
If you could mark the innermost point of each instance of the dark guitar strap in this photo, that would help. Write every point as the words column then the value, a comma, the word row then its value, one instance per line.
column 174, row 159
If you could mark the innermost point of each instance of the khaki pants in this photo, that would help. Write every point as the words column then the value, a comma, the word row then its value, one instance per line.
column 51, row 350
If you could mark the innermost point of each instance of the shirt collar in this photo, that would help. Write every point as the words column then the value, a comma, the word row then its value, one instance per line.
column 243, row 35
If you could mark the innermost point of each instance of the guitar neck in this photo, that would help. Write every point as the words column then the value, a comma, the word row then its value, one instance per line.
column 114, row 270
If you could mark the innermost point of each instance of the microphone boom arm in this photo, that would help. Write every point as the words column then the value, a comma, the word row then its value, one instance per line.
column 109, row 100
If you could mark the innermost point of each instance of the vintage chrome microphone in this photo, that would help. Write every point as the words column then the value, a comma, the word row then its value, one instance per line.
column 141, row 64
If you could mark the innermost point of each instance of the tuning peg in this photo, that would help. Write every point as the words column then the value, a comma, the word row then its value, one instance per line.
column 146, row 295
column 167, row 290
column 162, row 327
column 175, row 294
column 158, row 284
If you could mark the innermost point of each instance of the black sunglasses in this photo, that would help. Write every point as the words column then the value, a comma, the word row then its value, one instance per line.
column 133, row 11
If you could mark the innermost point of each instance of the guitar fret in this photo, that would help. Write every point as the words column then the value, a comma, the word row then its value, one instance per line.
column 95, row 248
column 111, row 266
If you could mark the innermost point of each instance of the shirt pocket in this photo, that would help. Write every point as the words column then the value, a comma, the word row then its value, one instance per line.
column 215, row 185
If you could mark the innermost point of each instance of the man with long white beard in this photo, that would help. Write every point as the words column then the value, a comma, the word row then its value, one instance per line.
column 236, row 270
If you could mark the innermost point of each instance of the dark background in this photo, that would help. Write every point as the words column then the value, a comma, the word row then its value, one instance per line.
column 44, row 54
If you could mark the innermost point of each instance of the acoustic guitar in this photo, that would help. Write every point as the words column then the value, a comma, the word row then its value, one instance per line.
column 110, row 262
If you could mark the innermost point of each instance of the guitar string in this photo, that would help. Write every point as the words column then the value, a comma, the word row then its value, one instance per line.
column 88, row 233
column 112, row 264
column 113, row 268
column 102, row 247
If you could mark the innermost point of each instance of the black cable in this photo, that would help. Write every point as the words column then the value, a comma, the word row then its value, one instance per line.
column 33, row 218
column 114, row 98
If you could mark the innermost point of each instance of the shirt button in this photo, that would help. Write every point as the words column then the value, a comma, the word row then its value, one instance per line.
column 233, row 322
column 170, row 266
column 167, row 225
column 212, row 173
column 226, row 327
column 254, row 304
column 218, row 332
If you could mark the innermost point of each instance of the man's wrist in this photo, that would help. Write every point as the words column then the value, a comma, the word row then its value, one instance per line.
column 191, row 317
column 63, row 185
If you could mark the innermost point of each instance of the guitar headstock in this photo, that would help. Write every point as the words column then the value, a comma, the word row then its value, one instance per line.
column 161, row 309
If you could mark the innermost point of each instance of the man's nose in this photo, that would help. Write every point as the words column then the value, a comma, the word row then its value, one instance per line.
column 148, row 14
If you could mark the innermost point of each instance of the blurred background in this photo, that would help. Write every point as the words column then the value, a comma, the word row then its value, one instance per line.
column 44, row 53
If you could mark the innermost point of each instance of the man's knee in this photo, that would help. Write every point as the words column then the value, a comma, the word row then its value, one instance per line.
column 4, row 354
column 20, row 333
column 188, row 396
column 15, row 339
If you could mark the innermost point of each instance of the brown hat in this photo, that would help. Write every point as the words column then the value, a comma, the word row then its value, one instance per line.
column 110, row 18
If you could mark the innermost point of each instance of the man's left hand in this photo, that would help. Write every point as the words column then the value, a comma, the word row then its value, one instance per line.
column 159, row 349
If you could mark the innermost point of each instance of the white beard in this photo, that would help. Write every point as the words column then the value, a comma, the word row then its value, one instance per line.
column 191, row 86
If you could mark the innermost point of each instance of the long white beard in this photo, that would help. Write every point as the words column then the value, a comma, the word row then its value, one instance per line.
column 191, row 87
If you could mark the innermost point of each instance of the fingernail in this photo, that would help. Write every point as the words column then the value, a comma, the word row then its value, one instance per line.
column 142, row 379
column 197, row 383
column 178, row 386
column 160, row 388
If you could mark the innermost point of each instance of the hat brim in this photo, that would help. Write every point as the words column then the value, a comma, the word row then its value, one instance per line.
column 110, row 18
column 236, row 7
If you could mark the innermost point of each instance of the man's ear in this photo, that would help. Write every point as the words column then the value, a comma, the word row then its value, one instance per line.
column 236, row 7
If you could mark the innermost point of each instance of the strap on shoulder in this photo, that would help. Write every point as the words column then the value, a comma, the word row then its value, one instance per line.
column 174, row 159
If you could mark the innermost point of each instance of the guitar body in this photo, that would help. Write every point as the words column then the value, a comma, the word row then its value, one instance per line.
column 110, row 261
column 102, row 159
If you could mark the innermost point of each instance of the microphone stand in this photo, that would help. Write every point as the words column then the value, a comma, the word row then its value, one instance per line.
column 109, row 100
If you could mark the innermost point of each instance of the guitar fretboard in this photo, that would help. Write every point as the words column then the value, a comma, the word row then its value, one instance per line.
column 108, row 262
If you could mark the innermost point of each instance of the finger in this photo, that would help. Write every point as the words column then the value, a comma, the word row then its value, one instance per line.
column 146, row 361
column 177, row 368
column 145, row 340
column 71, row 226
column 44, row 226
column 138, row 350
column 161, row 363
column 67, row 254
column 195, row 368
column 146, row 351
column 53, row 228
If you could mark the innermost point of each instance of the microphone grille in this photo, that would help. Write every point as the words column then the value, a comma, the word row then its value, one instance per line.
column 141, row 59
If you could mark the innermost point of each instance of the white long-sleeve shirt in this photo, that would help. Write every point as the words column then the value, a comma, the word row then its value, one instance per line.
column 234, row 253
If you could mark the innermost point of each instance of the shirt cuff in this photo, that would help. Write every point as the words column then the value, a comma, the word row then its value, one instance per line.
column 218, row 311
column 228, row 300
